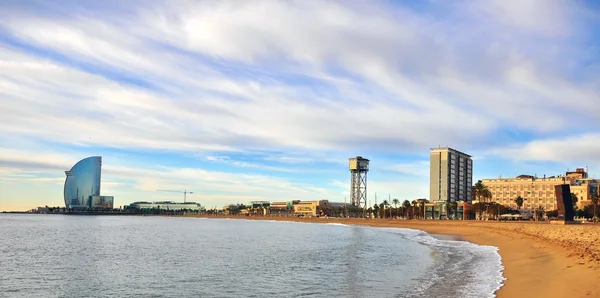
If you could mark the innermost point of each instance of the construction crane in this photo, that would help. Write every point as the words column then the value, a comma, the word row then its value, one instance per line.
column 184, row 192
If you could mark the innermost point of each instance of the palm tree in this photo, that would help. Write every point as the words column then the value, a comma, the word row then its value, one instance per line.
column 385, row 205
column 422, row 208
column 396, row 202
column 574, row 199
column 539, row 212
column 405, row 205
column 481, row 193
column 414, row 204
column 595, row 199
column 453, row 206
column 519, row 202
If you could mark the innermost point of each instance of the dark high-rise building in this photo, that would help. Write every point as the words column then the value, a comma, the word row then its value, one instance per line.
column 451, row 175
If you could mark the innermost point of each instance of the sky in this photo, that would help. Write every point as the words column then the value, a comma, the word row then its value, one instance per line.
column 266, row 100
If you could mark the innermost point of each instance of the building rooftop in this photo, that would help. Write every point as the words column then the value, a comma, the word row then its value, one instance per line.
column 449, row 149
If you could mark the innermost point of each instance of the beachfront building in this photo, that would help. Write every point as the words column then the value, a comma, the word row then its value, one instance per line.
column 445, row 210
column 310, row 208
column 82, row 186
column 451, row 175
column 165, row 205
column 584, row 189
column 323, row 208
column 233, row 209
column 257, row 208
column 285, row 208
column 102, row 202
column 539, row 191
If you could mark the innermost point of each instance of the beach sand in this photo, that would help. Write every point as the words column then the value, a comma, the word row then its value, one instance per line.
column 540, row 260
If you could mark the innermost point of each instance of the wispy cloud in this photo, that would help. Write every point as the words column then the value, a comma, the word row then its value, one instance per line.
column 575, row 148
column 418, row 168
column 296, row 84
column 243, row 164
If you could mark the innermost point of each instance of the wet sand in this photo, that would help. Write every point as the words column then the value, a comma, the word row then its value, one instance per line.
column 540, row 260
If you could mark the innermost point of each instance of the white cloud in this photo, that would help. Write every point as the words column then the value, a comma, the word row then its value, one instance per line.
column 243, row 164
column 579, row 148
column 376, row 47
column 315, row 82
column 542, row 17
column 415, row 168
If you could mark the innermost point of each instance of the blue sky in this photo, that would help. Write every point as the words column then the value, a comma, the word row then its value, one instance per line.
column 266, row 100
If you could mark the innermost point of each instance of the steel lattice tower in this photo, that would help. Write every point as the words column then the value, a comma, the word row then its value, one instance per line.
column 358, row 181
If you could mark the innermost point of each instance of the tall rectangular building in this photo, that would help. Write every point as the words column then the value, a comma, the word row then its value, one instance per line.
column 451, row 175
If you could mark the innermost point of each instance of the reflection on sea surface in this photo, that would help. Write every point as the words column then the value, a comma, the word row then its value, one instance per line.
column 103, row 256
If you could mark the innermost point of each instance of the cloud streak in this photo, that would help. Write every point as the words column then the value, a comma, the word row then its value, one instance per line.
column 298, row 82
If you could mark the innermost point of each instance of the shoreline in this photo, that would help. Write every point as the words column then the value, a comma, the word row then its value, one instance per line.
column 533, row 266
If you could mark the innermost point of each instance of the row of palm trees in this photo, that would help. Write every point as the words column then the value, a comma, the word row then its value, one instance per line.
column 407, row 209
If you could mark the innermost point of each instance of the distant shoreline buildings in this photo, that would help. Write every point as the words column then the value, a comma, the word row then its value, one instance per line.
column 451, row 191
column 148, row 207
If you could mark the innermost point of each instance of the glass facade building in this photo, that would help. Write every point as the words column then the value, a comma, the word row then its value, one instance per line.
column 83, row 182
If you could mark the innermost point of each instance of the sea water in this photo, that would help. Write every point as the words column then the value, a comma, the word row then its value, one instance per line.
column 131, row 256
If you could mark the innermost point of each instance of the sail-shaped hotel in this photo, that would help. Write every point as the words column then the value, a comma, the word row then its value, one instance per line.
column 82, row 186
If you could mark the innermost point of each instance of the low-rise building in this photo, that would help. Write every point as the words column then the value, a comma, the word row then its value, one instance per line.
column 584, row 189
column 309, row 208
column 285, row 208
column 445, row 210
column 538, row 191
column 233, row 209
column 102, row 202
column 321, row 208
column 165, row 205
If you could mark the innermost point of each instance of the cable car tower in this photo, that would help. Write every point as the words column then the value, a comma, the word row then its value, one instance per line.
column 358, row 181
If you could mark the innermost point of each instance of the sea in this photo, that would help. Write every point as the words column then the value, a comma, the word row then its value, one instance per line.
column 147, row 256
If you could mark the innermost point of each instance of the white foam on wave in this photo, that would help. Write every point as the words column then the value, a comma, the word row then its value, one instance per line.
column 474, row 270
column 337, row 224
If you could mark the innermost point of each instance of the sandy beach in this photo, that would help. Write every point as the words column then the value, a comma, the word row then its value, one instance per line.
column 540, row 260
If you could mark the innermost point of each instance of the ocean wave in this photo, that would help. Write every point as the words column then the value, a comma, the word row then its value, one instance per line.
column 337, row 224
column 461, row 268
